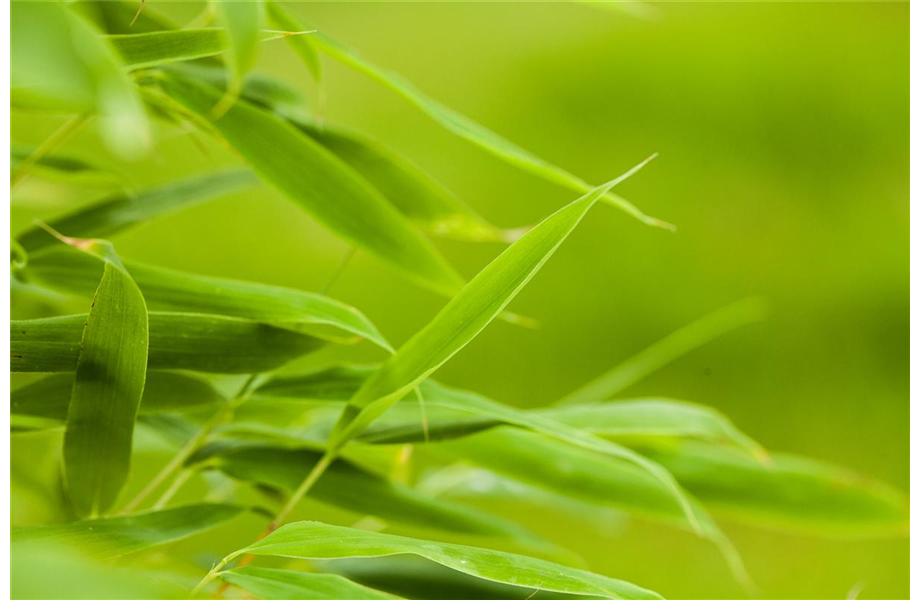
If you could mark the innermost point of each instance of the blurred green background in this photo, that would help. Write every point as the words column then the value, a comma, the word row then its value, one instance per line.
column 783, row 134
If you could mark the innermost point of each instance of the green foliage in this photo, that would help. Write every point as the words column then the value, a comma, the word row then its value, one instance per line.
column 216, row 365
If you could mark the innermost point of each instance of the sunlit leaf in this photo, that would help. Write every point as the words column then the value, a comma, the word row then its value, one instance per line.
column 310, row 539
column 302, row 45
column 189, row 341
column 109, row 537
column 319, row 183
column 123, row 210
column 275, row 584
column 142, row 50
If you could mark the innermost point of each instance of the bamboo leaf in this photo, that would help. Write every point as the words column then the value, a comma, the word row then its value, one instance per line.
column 111, row 367
column 310, row 539
column 124, row 210
column 350, row 487
column 666, row 350
column 431, row 206
column 164, row 391
column 151, row 49
column 302, row 45
column 793, row 493
column 472, row 131
column 60, row 62
column 275, row 584
column 320, row 183
column 109, row 537
column 477, row 304
column 67, row 169
column 169, row 290
column 195, row 342
column 243, row 22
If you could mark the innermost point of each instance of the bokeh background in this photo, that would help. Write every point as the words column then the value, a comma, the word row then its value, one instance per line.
column 783, row 134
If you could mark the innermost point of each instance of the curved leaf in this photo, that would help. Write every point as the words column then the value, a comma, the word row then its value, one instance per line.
column 275, row 584
column 310, row 539
column 109, row 537
column 169, row 290
column 194, row 342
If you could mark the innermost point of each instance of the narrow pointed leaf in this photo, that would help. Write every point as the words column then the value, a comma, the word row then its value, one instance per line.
column 163, row 392
column 664, row 351
column 472, row 131
column 275, row 584
column 310, row 539
column 320, row 183
column 123, row 210
column 194, row 342
column 302, row 45
column 64, row 168
column 109, row 537
column 169, row 290
column 477, row 304
column 243, row 22
column 111, row 367
column 144, row 50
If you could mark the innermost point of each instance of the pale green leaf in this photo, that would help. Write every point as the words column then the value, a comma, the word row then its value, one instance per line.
column 109, row 537
column 243, row 22
column 310, row 539
column 302, row 45
column 111, row 367
column 143, row 50
column 275, row 584
column 123, row 210
column 169, row 290
column 669, row 348
column 320, row 183
column 189, row 341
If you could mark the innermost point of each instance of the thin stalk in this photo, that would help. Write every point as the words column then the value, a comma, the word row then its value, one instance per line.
column 191, row 446
column 53, row 142
column 340, row 268
column 174, row 487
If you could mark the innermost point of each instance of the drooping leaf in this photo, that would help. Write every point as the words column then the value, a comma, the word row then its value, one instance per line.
column 169, row 290
column 430, row 205
column 310, row 539
column 275, row 584
column 669, row 348
column 791, row 492
column 123, row 210
column 109, row 537
column 320, row 183
column 302, row 45
column 164, row 391
column 243, row 22
column 188, row 341
column 350, row 487
column 472, row 131
column 111, row 366
column 462, row 319
column 60, row 62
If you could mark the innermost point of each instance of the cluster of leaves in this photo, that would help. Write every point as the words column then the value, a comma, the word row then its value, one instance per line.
column 156, row 344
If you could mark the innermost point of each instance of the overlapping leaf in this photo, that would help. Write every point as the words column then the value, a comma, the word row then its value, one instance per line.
column 275, row 584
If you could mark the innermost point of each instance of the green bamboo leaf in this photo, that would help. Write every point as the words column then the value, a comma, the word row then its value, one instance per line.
column 243, row 23
column 60, row 62
column 431, row 206
column 169, row 290
column 477, row 304
column 310, row 539
column 275, row 584
column 124, row 210
column 111, row 367
column 109, row 537
column 164, row 391
column 668, row 349
column 124, row 17
column 320, row 183
column 347, row 486
column 194, row 342
column 792, row 493
column 143, row 50
column 64, row 168
column 302, row 45
column 472, row 131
